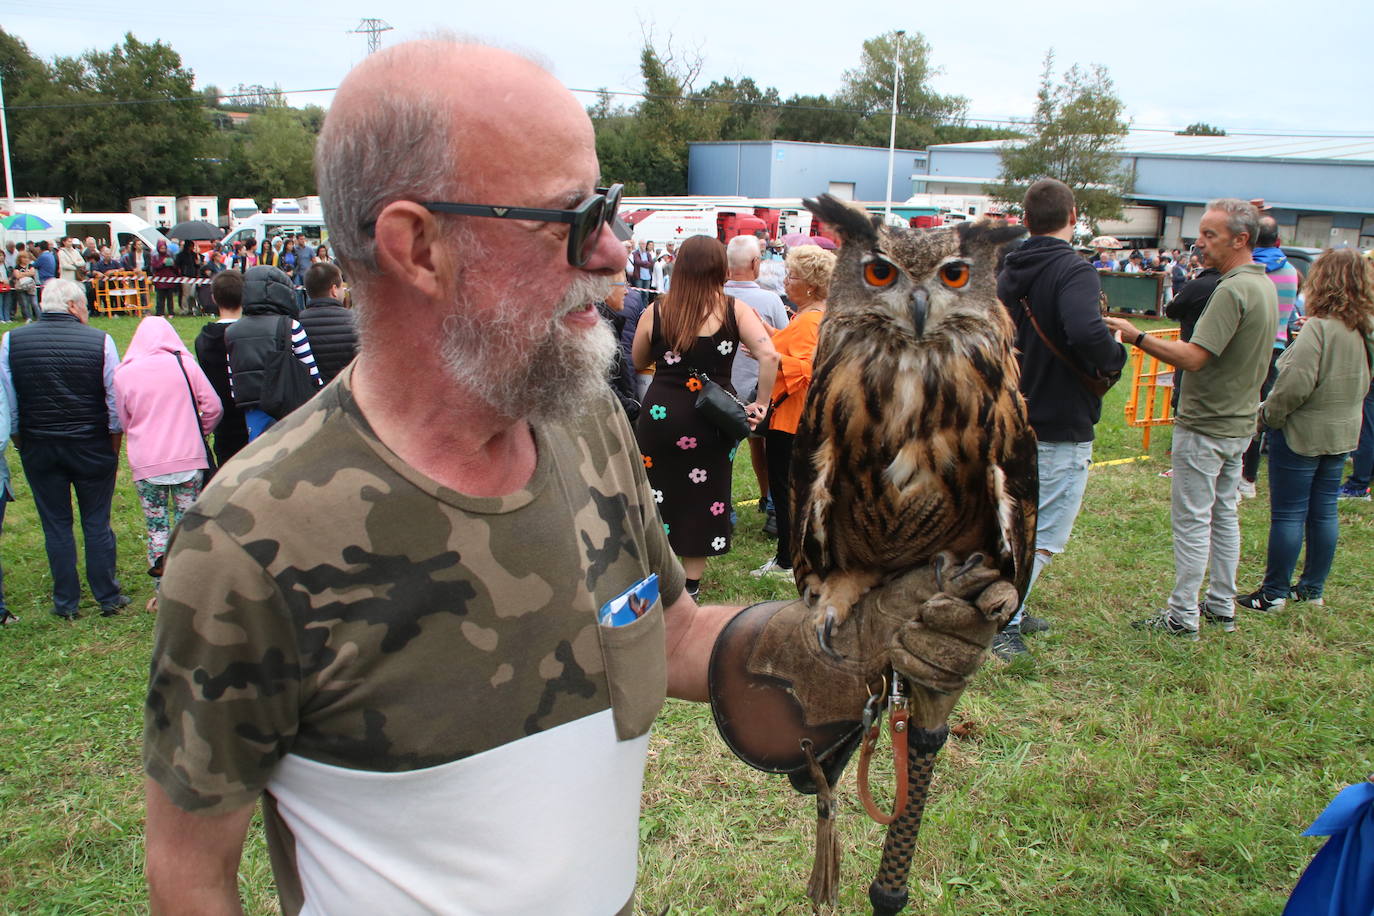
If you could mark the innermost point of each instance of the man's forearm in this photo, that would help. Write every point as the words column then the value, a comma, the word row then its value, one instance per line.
column 1178, row 353
column 690, row 636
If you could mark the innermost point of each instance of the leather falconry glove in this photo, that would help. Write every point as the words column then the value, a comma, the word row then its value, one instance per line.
column 772, row 687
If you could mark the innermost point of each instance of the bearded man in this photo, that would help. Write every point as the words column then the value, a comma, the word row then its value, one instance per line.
column 392, row 616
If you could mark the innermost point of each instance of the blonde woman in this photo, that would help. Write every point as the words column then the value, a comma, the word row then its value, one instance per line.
column 24, row 279
column 807, row 284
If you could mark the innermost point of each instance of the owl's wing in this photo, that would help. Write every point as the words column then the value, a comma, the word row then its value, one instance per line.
column 1015, row 486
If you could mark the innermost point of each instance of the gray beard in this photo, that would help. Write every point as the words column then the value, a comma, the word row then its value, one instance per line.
column 544, row 374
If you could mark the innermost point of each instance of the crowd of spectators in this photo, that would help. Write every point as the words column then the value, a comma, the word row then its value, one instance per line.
column 70, row 403
column 775, row 310
column 178, row 272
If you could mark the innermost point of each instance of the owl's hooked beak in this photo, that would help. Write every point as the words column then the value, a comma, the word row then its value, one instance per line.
column 919, row 309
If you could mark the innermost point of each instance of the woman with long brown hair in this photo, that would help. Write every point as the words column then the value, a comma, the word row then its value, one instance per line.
column 1313, row 414
column 691, row 334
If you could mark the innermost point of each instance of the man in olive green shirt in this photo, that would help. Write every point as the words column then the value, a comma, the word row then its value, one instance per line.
column 1226, row 361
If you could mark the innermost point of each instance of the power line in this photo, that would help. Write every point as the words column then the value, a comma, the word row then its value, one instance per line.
column 1307, row 134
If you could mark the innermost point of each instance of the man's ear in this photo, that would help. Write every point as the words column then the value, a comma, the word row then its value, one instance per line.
column 407, row 243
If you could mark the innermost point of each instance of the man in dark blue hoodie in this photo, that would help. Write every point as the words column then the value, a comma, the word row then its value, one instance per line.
column 1053, row 297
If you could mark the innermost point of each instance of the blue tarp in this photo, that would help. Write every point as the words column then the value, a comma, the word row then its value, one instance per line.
column 1340, row 879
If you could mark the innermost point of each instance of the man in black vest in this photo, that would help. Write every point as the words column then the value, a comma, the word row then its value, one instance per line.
column 59, row 374
column 332, row 330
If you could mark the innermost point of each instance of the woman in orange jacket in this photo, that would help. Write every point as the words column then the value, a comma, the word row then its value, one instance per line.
column 809, row 268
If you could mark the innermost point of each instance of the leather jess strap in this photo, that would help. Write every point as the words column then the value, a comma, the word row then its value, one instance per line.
column 899, row 725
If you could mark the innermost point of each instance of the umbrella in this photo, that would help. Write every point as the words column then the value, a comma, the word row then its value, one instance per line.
column 25, row 222
column 1106, row 241
column 196, row 230
column 797, row 239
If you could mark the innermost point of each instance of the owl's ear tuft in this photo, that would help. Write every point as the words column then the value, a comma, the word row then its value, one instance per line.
column 851, row 223
column 987, row 233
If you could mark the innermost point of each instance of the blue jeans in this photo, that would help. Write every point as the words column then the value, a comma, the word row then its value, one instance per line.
column 1362, row 461
column 54, row 468
column 1063, row 473
column 6, row 305
column 1302, row 501
column 26, row 305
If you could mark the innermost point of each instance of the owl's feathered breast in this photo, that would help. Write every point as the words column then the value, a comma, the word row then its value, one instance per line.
column 898, row 441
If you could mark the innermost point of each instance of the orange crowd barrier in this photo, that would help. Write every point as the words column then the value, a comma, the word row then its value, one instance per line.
column 123, row 292
column 1150, row 402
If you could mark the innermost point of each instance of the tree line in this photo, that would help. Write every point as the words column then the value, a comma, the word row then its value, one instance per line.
column 105, row 126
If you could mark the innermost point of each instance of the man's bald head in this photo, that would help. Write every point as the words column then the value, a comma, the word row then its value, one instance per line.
column 1268, row 235
column 439, row 119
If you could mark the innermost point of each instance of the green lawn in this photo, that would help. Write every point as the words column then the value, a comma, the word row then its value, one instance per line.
column 1115, row 773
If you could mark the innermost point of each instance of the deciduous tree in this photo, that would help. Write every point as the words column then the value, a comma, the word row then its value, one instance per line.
column 109, row 125
column 1201, row 129
column 868, row 88
column 1075, row 136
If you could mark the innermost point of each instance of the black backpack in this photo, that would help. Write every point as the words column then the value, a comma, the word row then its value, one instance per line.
column 286, row 382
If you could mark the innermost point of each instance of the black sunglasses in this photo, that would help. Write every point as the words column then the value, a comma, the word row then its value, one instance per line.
column 587, row 218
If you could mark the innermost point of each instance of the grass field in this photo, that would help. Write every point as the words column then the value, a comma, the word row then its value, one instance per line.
column 1113, row 773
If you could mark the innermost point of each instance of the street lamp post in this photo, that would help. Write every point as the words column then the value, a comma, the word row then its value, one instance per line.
column 5, row 144
column 892, row 135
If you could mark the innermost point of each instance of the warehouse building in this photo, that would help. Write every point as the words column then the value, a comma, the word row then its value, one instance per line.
column 786, row 168
column 1321, row 189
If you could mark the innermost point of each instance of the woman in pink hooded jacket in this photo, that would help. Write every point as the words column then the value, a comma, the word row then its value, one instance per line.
column 167, row 406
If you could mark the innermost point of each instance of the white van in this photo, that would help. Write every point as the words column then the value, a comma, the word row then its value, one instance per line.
column 113, row 229
column 264, row 226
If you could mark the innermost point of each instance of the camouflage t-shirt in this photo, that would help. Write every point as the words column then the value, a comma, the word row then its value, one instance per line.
column 416, row 678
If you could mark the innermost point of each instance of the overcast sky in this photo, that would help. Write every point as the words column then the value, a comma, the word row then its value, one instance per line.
column 1267, row 65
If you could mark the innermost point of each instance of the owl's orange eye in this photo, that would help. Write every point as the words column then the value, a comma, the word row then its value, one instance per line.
column 954, row 275
column 880, row 273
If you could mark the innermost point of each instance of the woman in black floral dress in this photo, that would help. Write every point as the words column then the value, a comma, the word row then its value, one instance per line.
column 695, row 330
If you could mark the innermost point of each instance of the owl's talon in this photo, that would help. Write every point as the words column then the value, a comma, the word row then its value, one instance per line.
column 973, row 562
column 824, row 628
column 937, row 567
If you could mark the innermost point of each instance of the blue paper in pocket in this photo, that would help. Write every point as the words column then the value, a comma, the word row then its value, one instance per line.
column 631, row 604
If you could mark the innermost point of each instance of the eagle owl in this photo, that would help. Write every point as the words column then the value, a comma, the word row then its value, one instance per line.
column 914, row 437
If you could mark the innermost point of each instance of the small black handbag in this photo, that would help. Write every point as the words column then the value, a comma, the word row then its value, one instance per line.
column 721, row 409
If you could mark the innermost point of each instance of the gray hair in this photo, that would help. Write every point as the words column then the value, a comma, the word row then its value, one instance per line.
column 1241, row 216
column 59, row 295
column 771, row 276
column 741, row 250
column 391, row 146
column 377, row 151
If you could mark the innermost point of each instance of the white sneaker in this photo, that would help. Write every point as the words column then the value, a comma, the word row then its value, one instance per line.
column 1246, row 489
column 772, row 570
